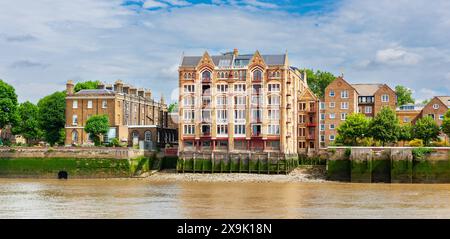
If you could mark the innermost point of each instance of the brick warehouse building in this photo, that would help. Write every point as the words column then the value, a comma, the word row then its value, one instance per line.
column 135, row 118
column 342, row 98
column 234, row 103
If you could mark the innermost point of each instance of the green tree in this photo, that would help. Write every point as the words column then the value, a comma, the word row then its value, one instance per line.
column 446, row 123
column 8, row 105
column 52, row 117
column 173, row 107
column 353, row 129
column 404, row 95
column 28, row 124
column 97, row 126
column 424, row 102
column 385, row 126
column 318, row 81
column 87, row 85
column 405, row 133
column 426, row 129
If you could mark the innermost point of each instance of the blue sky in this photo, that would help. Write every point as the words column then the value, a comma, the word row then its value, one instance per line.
column 45, row 43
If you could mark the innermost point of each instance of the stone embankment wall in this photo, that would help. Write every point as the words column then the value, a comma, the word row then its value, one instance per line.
column 268, row 163
column 76, row 162
column 389, row 164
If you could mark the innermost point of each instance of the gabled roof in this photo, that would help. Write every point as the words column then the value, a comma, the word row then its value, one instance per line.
column 227, row 60
column 445, row 100
column 366, row 89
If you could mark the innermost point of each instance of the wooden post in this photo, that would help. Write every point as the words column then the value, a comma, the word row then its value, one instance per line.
column 259, row 165
column 240, row 159
column 193, row 167
column 278, row 166
column 221, row 170
column 268, row 166
column 229, row 163
column 249, row 169
column 184, row 163
column 212, row 165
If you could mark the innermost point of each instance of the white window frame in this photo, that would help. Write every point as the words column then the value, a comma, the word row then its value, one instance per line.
column 332, row 93
column 189, row 88
column 240, row 115
column 343, row 116
column 385, row 98
column 222, row 116
column 104, row 104
column 368, row 109
column 332, row 116
column 273, row 114
column 273, row 129
column 89, row 104
column 435, row 106
column 74, row 119
column 75, row 104
column 344, row 105
column 344, row 94
column 189, row 129
column 239, row 129
column 222, row 129
column 332, row 128
column 332, row 105
column 332, row 137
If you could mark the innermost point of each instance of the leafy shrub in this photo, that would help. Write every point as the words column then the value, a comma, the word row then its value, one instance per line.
column 115, row 143
column 420, row 153
column 416, row 143
column 439, row 144
column 348, row 152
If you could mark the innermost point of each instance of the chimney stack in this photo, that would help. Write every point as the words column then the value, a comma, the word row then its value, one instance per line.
column 118, row 86
column 70, row 87
column 148, row 94
column 101, row 86
column 235, row 52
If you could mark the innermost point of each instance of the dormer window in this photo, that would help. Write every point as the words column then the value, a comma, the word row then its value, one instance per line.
column 385, row 98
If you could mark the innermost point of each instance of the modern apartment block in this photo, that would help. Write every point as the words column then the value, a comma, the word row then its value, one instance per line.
column 408, row 113
column 237, row 103
column 342, row 98
column 134, row 116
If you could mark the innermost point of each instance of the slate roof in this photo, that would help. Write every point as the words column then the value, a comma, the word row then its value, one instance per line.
column 366, row 89
column 445, row 100
column 227, row 58
column 95, row 92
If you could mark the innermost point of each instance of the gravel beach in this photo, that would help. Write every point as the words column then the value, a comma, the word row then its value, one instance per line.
column 314, row 174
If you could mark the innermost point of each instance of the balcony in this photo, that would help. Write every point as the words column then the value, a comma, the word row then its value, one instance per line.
column 311, row 124
column 288, row 106
column 310, row 137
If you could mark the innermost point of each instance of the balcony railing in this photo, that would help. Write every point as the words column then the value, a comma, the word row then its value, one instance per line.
column 311, row 124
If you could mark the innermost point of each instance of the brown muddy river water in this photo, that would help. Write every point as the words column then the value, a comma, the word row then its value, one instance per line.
column 140, row 198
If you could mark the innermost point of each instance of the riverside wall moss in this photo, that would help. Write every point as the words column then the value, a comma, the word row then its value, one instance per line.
column 75, row 167
column 236, row 165
column 390, row 165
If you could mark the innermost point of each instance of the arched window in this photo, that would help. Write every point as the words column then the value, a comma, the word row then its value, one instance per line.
column 226, row 74
column 189, row 76
column 222, row 75
column 257, row 75
column 185, row 75
column 148, row 136
column 277, row 74
column 206, row 76
column 74, row 136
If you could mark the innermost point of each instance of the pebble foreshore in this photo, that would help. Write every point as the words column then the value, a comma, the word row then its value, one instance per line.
column 315, row 174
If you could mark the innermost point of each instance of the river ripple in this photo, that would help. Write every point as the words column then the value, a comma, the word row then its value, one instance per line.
column 140, row 198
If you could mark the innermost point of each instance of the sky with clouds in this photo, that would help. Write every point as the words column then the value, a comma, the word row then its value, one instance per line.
column 45, row 43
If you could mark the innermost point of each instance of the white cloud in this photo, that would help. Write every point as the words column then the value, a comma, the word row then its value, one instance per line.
column 154, row 4
column 382, row 41
column 177, row 2
column 397, row 56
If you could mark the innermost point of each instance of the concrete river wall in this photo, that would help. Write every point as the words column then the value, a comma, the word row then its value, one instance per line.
column 389, row 165
column 262, row 163
column 90, row 162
